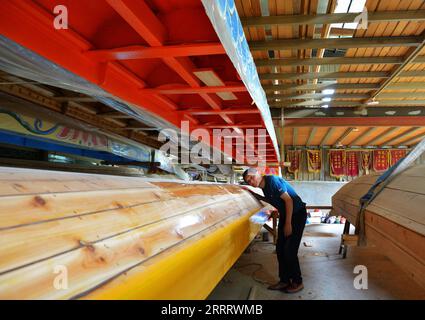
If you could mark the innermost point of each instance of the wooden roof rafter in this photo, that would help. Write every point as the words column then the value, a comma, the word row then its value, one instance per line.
column 352, row 68
column 382, row 16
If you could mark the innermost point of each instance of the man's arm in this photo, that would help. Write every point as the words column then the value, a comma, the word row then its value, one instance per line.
column 289, row 206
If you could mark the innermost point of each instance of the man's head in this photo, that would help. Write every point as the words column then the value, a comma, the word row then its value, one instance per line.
column 252, row 177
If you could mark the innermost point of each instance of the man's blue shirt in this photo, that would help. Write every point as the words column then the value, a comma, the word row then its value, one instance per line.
column 274, row 187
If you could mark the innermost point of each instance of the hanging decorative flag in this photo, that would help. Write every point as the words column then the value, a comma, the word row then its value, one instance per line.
column 268, row 171
column 293, row 157
column 337, row 163
column 314, row 161
column 396, row 155
column 366, row 161
column 352, row 163
column 380, row 160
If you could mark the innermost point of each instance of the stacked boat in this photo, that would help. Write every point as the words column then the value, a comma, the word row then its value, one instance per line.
column 394, row 220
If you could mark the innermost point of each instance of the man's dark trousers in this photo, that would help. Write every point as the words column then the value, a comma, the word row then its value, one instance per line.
column 287, row 248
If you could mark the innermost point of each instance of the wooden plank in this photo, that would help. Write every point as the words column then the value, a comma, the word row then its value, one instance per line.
column 25, row 245
column 401, row 136
column 413, row 267
column 100, row 234
column 398, row 71
column 317, row 103
column 382, row 136
column 340, row 43
column 338, row 75
column 55, row 206
column 334, row 61
column 412, row 141
column 96, row 262
column 405, row 238
column 344, row 103
column 311, row 136
column 352, row 96
column 344, row 86
column 31, row 182
column 323, row 75
column 295, row 136
column 405, row 212
column 299, row 19
column 346, row 133
column 394, row 220
column 318, row 96
column 205, row 258
column 309, row 87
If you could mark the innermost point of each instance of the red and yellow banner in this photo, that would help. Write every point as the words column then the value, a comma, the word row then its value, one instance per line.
column 337, row 163
column 381, row 160
column 294, row 157
column 366, row 161
column 352, row 160
column 396, row 155
column 61, row 133
column 314, row 161
column 268, row 171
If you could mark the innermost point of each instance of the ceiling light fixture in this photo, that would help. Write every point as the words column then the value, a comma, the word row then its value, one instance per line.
column 328, row 91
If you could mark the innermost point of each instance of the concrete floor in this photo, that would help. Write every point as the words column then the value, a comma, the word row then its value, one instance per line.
column 326, row 275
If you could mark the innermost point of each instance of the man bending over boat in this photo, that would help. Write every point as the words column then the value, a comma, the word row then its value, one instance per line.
column 292, row 218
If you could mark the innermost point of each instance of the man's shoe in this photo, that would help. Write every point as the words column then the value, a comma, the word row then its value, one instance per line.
column 294, row 287
column 278, row 286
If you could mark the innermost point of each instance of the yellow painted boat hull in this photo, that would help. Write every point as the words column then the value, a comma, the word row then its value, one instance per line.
column 83, row 236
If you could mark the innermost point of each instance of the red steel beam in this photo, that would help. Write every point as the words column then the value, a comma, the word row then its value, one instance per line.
column 138, row 15
column 141, row 18
column 146, row 24
column 140, row 52
column 192, row 119
column 19, row 17
column 30, row 25
column 355, row 121
column 190, row 90
column 207, row 112
column 234, row 125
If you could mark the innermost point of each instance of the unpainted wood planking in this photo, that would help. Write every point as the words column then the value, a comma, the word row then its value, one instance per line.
column 20, row 246
column 394, row 220
column 95, row 262
column 98, row 232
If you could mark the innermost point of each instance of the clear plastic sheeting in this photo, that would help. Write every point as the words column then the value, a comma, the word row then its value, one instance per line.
column 225, row 20
column 21, row 62
column 55, row 128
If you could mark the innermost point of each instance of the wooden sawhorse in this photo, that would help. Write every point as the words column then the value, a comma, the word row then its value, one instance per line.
column 347, row 240
column 273, row 228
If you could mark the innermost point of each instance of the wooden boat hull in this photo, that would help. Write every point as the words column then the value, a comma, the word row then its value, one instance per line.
column 72, row 235
column 395, row 220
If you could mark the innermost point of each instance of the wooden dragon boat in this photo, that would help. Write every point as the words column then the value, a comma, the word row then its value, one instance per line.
column 394, row 220
column 74, row 235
